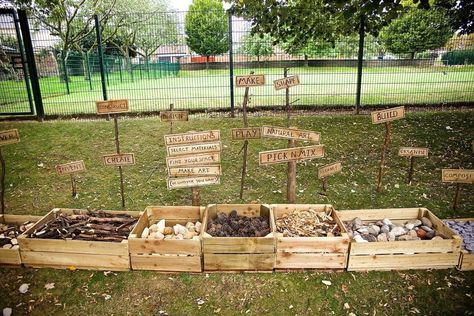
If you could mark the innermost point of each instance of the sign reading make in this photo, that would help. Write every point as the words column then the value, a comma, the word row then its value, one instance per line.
column 112, row 106
column 388, row 115
column 250, row 81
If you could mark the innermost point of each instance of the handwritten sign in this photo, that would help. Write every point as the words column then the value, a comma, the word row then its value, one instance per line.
column 246, row 133
column 176, row 183
column 413, row 152
column 328, row 170
column 112, row 106
column 291, row 154
column 194, row 171
column 388, row 115
column 193, row 160
column 10, row 136
column 250, row 81
column 71, row 167
column 173, row 116
column 196, row 137
column 458, row 175
column 119, row 159
column 287, row 82
column 193, row 149
column 290, row 133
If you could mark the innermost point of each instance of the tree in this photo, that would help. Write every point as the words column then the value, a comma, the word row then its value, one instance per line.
column 8, row 45
column 206, row 28
column 257, row 45
column 417, row 31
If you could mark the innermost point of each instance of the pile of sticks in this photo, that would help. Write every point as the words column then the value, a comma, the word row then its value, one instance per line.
column 90, row 225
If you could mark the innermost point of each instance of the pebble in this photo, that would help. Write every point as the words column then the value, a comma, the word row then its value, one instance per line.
column 7, row 311
column 357, row 223
column 159, row 231
column 358, row 238
column 160, row 226
column 168, row 231
column 426, row 228
column 382, row 237
column 386, row 221
column 385, row 229
column 430, row 234
column 146, row 232
column 179, row 229
column 398, row 231
column 159, row 236
column 426, row 222
column 391, row 236
column 415, row 222
column 466, row 230
column 369, row 238
column 409, row 226
column 421, row 233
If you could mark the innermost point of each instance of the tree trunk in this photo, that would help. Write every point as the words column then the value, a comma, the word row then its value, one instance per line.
column 207, row 62
column 412, row 55
column 306, row 64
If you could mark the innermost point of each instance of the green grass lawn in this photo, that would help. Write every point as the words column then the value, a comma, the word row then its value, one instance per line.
column 210, row 89
column 34, row 188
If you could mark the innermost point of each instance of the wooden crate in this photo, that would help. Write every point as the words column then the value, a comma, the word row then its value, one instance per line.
column 466, row 259
column 238, row 253
column 80, row 254
column 11, row 257
column 166, row 255
column 402, row 255
column 310, row 252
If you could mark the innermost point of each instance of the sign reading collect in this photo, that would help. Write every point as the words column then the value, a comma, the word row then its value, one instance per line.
column 250, row 80
column 458, row 175
column 112, row 106
column 173, row 116
column 413, row 152
column 10, row 136
column 194, row 171
column 193, row 149
column 246, row 133
column 196, row 137
column 291, row 154
column 71, row 167
column 119, row 159
column 287, row 82
column 388, row 115
column 290, row 133
column 176, row 183
column 328, row 170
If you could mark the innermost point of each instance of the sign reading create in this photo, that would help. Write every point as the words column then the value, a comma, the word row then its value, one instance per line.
column 328, row 170
column 112, row 106
column 291, row 154
column 388, row 115
column 413, row 152
column 71, row 167
column 458, row 175
column 176, row 183
column 193, row 149
column 173, row 116
column 194, row 171
column 290, row 133
column 197, row 137
column 246, row 133
column 287, row 82
column 250, row 80
column 10, row 136
column 194, row 160
column 119, row 159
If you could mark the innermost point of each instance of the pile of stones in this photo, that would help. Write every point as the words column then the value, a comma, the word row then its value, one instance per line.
column 466, row 230
column 160, row 231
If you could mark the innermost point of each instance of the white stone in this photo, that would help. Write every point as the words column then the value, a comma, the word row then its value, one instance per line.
column 159, row 236
column 386, row 221
column 179, row 229
column 179, row 237
column 7, row 311
column 153, row 228
column 24, row 288
column 145, row 232
column 6, row 246
column 161, row 226
column 197, row 227
column 358, row 238
column 398, row 231
column 409, row 226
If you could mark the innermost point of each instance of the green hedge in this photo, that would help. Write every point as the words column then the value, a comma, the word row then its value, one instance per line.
column 459, row 57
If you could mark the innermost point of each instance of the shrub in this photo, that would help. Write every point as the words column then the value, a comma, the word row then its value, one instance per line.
column 459, row 57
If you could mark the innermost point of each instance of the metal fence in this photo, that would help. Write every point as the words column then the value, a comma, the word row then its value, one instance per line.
column 153, row 68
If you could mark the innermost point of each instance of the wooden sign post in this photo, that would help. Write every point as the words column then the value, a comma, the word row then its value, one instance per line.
column 115, row 107
column 172, row 116
column 326, row 171
column 6, row 138
column 457, row 176
column 412, row 152
column 386, row 116
column 71, row 168
column 246, row 133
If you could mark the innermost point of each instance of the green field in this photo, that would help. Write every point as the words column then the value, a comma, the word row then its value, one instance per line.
column 210, row 89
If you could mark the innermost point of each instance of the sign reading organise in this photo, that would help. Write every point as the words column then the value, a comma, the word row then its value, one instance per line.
column 290, row 133
column 173, row 116
column 194, row 171
column 119, row 159
column 176, row 183
column 197, row 137
column 388, row 115
column 328, row 170
column 413, row 152
column 246, row 133
column 287, row 82
column 10, row 136
column 458, row 175
column 194, row 160
column 112, row 106
column 193, row 149
column 250, row 81
column 291, row 154
column 71, row 167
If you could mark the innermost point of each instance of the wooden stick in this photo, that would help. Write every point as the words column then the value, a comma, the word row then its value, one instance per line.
column 117, row 146
column 196, row 196
column 291, row 180
column 411, row 170
column 171, row 122
column 382, row 157
column 246, row 142
column 73, row 185
column 325, row 184
column 2, row 181
column 456, row 197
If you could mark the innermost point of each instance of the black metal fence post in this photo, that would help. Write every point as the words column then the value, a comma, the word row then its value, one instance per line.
column 231, row 65
column 101, row 55
column 360, row 60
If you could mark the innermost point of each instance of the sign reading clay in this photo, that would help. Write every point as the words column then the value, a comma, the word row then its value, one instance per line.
column 193, row 149
column 119, row 159
column 287, row 82
column 246, row 133
column 291, row 154
column 195, row 137
column 250, row 81
column 194, row 160
column 10, row 136
column 194, row 171
column 173, row 116
column 458, row 175
column 112, row 106
column 71, row 167
column 290, row 133
column 388, row 115
column 176, row 183
column 327, row 170
column 413, row 152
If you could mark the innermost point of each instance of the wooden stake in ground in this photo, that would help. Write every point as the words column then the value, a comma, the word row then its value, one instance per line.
column 71, row 168
column 291, row 183
column 6, row 137
column 457, row 176
column 326, row 171
column 386, row 116
column 412, row 152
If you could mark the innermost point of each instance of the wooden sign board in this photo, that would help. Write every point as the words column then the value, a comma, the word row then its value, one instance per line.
column 413, row 152
column 458, row 175
column 193, row 160
column 193, row 149
column 287, row 82
column 246, row 133
column 250, row 81
column 194, row 171
column 291, row 154
column 10, row 136
column 290, row 133
column 177, row 183
column 71, row 167
column 195, row 137
column 112, row 106
column 328, row 170
column 119, row 159
column 173, row 116
column 388, row 115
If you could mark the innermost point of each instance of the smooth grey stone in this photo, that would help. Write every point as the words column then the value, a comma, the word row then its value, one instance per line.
column 385, row 229
column 426, row 222
column 398, row 231
column 426, row 228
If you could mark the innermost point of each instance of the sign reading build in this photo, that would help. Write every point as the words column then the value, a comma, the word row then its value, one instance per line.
column 291, row 154
column 112, row 106
column 71, row 167
column 250, row 81
column 10, row 136
column 119, row 159
column 388, row 115
column 458, row 175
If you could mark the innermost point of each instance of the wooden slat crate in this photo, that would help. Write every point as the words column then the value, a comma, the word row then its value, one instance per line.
column 310, row 252
column 238, row 253
column 166, row 255
column 402, row 255
column 80, row 254
column 466, row 259
column 11, row 257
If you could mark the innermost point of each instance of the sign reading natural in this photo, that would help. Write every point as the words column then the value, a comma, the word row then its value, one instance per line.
column 290, row 133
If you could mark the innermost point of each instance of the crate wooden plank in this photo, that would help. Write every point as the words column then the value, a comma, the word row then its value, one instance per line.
column 10, row 257
column 291, row 260
column 167, row 263
column 403, row 261
column 239, row 245
column 466, row 261
column 73, row 246
column 404, row 247
column 147, row 246
column 239, row 261
column 312, row 244
column 378, row 214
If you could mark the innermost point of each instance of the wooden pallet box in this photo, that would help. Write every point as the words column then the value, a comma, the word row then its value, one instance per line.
column 402, row 255
column 466, row 259
column 310, row 252
column 78, row 254
column 238, row 253
column 166, row 255
column 11, row 257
